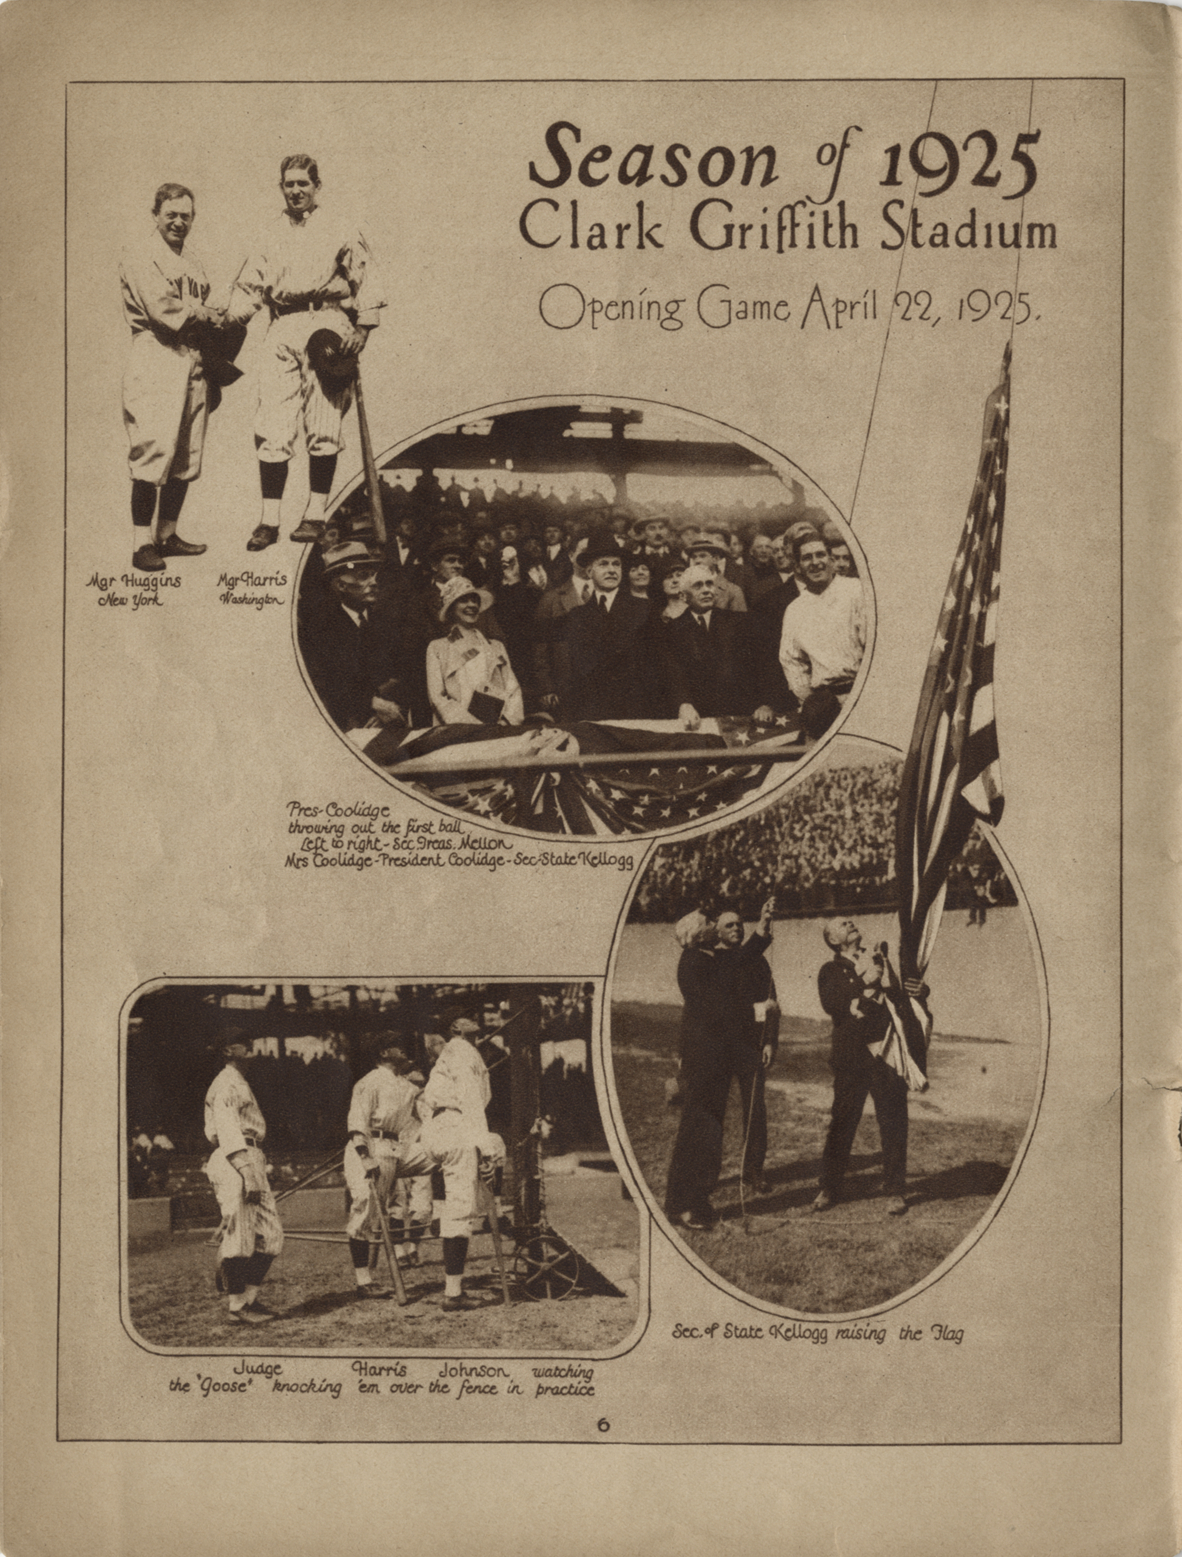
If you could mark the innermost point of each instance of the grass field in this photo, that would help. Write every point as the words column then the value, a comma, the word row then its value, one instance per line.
column 855, row 1256
column 173, row 1302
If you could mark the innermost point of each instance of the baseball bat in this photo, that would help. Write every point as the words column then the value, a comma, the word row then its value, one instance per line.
column 395, row 1273
column 371, row 469
column 494, row 1227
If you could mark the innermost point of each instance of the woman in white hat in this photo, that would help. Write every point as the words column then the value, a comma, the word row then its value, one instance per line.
column 469, row 677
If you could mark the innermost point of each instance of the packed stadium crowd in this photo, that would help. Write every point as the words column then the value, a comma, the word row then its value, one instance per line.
column 514, row 607
column 828, row 847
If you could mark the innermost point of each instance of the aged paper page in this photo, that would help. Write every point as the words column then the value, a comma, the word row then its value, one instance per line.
column 557, row 561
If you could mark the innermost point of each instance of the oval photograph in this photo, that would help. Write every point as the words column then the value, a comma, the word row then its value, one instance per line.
column 812, row 1128
column 587, row 618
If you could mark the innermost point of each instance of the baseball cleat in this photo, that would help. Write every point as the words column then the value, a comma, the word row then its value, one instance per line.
column 895, row 1205
column 372, row 1292
column 261, row 537
column 246, row 1316
column 462, row 1304
column 146, row 559
column 261, row 1309
column 308, row 530
column 824, row 1201
column 175, row 547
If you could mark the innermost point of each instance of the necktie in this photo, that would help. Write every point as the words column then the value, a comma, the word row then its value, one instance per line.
column 602, row 603
column 703, row 625
column 586, row 593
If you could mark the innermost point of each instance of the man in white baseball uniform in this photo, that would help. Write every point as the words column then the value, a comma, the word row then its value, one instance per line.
column 383, row 1136
column 823, row 637
column 165, row 395
column 456, row 1136
column 252, row 1234
column 313, row 272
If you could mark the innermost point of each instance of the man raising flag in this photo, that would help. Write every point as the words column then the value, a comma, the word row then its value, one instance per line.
column 951, row 776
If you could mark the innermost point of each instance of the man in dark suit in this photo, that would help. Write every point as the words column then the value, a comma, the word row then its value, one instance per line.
column 768, row 609
column 556, row 603
column 346, row 635
column 707, row 654
column 848, row 986
column 403, row 562
column 597, row 649
column 728, row 997
column 555, row 557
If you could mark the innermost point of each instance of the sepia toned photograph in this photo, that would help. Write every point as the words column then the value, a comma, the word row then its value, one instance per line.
column 520, row 503
column 384, row 1165
column 537, row 594
column 788, row 1137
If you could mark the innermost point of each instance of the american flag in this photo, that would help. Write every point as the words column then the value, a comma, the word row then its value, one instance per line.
column 952, row 774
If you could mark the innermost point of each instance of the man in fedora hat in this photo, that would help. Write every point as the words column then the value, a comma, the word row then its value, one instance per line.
column 383, row 1131
column 598, row 641
column 252, row 1234
column 711, row 548
column 348, row 637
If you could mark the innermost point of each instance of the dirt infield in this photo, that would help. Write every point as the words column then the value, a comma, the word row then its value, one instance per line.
column 963, row 1139
column 173, row 1303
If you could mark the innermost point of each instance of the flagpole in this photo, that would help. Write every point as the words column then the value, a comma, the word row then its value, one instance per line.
column 951, row 776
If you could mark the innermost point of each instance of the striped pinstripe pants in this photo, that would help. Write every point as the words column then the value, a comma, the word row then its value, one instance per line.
column 291, row 396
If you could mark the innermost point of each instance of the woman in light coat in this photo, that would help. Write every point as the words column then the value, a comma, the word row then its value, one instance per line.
column 467, row 673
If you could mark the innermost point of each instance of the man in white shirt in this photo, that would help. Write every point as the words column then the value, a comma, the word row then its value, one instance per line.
column 252, row 1234
column 823, row 637
column 313, row 272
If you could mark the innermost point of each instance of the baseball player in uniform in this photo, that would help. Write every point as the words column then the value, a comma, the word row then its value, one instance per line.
column 383, row 1121
column 252, row 1234
column 456, row 1137
column 313, row 272
column 165, row 404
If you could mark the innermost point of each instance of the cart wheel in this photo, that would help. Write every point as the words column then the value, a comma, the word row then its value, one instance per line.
column 545, row 1267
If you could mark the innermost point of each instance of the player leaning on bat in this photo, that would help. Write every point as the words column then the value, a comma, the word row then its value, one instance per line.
column 170, row 377
column 312, row 272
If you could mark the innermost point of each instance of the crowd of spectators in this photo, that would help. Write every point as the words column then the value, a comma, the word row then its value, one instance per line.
column 828, row 847
column 389, row 636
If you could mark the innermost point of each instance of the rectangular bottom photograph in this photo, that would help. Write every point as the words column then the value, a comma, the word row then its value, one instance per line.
column 359, row 1165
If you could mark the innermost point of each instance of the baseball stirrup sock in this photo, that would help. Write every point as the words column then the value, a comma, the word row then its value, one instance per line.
column 272, row 479
column 143, row 505
column 172, row 500
column 235, row 1271
column 321, row 469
